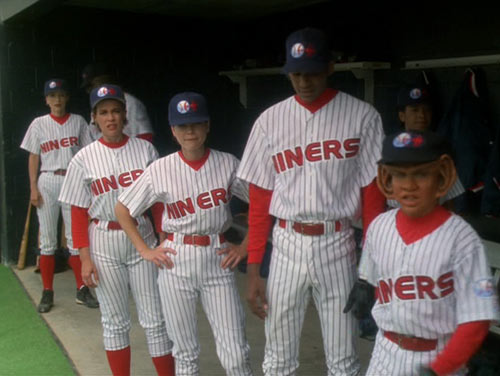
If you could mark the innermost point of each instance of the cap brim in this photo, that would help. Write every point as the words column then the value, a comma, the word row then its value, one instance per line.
column 191, row 119
column 305, row 66
column 107, row 98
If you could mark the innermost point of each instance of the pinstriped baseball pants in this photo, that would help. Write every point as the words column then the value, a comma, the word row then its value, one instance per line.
column 197, row 275
column 302, row 266
column 120, row 267
column 49, row 186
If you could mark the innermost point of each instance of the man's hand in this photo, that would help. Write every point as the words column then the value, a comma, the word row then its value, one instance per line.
column 36, row 197
column 89, row 272
column 361, row 299
column 234, row 254
column 256, row 291
column 159, row 256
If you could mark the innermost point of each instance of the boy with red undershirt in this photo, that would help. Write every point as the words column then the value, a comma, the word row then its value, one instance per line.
column 435, row 297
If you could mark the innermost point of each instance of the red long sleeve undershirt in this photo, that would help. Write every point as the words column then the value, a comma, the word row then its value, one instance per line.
column 460, row 348
column 80, row 226
column 157, row 211
column 259, row 219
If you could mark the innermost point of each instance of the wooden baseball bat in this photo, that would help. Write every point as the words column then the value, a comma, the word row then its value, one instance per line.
column 24, row 242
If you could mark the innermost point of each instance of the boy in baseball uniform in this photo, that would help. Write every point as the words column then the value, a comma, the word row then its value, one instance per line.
column 435, row 297
column 52, row 140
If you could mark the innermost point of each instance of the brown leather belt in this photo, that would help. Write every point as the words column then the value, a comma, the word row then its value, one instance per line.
column 312, row 229
column 61, row 172
column 112, row 225
column 411, row 343
column 200, row 240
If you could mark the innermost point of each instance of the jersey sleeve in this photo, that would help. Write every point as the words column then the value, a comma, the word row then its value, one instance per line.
column 140, row 196
column 85, row 137
column 474, row 286
column 239, row 188
column 31, row 141
column 75, row 189
column 370, row 147
column 256, row 165
column 456, row 190
column 367, row 268
column 138, row 115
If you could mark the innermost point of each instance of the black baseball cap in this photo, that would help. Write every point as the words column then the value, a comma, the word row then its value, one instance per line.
column 407, row 147
column 106, row 91
column 54, row 84
column 187, row 107
column 411, row 95
column 92, row 70
column 307, row 51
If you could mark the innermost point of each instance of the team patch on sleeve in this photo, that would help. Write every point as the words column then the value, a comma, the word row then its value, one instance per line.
column 484, row 288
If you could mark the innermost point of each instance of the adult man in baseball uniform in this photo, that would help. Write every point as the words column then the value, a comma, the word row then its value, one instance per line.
column 311, row 162
column 139, row 125
column 52, row 140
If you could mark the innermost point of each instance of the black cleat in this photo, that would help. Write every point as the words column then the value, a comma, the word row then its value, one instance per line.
column 47, row 301
column 84, row 296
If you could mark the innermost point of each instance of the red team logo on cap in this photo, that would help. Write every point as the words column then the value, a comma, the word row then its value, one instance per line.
column 183, row 107
column 297, row 50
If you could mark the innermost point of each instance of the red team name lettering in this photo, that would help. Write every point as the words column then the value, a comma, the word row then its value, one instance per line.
column 106, row 184
column 419, row 287
column 315, row 152
column 205, row 200
column 57, row 144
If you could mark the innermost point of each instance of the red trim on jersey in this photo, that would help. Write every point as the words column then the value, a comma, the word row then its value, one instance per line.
column 80, row 226
column 146, row 136
column 259, row 223
column 462, row 345
column 60, row 119
column 412, row 229
column 372, row 204
column 196, row 165
column 157, row 210
column 319, row 102
column 115, row 145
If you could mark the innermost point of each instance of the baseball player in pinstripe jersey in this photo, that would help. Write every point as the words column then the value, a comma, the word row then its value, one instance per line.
column 96, row 176
column 139, row 125
column 415, row 111
column 52, row 140
column 311, row 162
column 195, row 185
column 435, row 296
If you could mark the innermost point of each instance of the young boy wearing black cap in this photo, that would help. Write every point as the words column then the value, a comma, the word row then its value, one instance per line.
column 435, row 296
column 52, row 140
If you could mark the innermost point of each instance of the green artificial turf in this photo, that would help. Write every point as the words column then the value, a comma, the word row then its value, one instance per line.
column 27, row 346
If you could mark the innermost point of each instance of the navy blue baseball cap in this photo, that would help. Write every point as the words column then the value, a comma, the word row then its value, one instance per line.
column 188, row 107
column 407, row 147
column 307, row 51
column 106, row 91
column 90, row 71
column 411, row 95
column 54, row 84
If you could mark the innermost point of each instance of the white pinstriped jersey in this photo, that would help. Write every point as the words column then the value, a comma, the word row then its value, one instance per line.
column 137, row 117
column 196, row 201
column 456, row 190
column 55, row 143
column 316, row 163
column 99, row 173
column 428, row 287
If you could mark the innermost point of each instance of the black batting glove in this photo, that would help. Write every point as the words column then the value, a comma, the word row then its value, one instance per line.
column 361, row 299
column 426, row 371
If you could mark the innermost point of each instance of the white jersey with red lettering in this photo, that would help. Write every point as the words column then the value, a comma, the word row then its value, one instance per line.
column 425, row 288
column 196, row 203
column 138, row 121
column 316, row 164
column 96, row 176
column 55, row 144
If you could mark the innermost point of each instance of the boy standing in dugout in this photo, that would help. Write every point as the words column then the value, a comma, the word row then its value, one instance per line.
column 435, row 297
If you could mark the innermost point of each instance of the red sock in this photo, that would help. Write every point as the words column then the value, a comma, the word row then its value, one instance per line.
column 165, row 365
column 47, row 266
column 76, row 265
column 119, row 361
